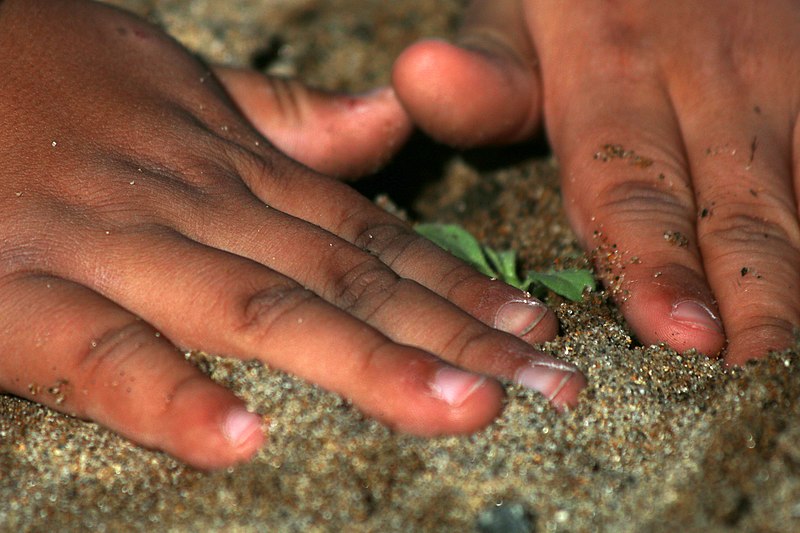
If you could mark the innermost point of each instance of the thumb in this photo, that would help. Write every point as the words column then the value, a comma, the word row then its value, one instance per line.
column 485, row 89
column 335, row 134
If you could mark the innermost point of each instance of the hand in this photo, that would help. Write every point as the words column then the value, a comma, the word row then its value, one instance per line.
column 676, row 126
column 141, row 212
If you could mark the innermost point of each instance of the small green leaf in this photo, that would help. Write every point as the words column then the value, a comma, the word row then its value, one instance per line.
column 505, row 264
column 458, row 242
column 568, row 283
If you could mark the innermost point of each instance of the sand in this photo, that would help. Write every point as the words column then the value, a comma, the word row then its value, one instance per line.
column 660, row 441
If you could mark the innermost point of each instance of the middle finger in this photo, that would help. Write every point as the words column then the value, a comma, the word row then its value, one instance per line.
column 747, row 226
column 204, row 298
column 407, row 312
column 343, row 212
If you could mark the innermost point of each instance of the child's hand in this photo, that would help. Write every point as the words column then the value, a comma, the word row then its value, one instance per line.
column 676, row 125
column 140, row 211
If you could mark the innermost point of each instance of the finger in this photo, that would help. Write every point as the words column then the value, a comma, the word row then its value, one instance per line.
column 485, row 89
column 409, row 314
column 229, row 305
column 343, row 212
column 629, row 198
column 336, row 134
column 749, row 233
column 83, row 355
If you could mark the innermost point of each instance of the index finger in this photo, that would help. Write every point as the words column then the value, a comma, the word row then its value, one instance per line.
column 401, row 308
column 348, row 215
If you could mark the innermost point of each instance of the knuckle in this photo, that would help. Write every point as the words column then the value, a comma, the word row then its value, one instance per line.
column 142, row 180
column 387, row 241
column 365, row 287
column 624, row 63
column 263, row 310
column 291, row 98
column 623, row 52
column 371, row 355
column 766, row 331
column 36, row 239
column 464, row 348
column 460, row 279
column 200, row 184
column 738, row 228
column 156, row 195
column 250, row 163
column 105, row 358
column 642, row 200
column 266, row 167
column 767, row 297
column 16, row 257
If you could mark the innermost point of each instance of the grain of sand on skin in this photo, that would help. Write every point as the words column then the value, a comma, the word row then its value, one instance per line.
column 660, row 442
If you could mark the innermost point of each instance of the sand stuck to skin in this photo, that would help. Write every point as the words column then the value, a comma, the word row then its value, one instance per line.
column 660, row 441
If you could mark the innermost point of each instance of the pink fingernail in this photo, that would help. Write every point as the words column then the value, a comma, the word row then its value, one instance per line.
column 240, row 425
column 519, row 317
column 548, row 377
column 454, row 386
column 696, row 314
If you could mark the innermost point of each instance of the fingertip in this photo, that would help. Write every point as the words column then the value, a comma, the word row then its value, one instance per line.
column 374, row 121
column 567, row 397
column 466, row 96
column 528, row 319
column 682, row 335
column 556, row 380
column 208, row 427
column 345, row 136
column 336, row 134
column 450, row 401
column 674, row 306
column 759, row 341
column 480, row 410
column 697, row 325
column 482, row 407
column 546, row 329
column 242, row 429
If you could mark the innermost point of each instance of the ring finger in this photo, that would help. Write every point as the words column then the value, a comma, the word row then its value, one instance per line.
column 407, row 312
column 229, row 305
column 347, row 215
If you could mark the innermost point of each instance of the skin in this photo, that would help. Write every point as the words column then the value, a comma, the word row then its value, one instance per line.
column 676, row 127
column 143, row 213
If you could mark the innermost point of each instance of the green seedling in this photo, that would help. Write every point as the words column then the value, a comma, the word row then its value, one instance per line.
column 503, row 264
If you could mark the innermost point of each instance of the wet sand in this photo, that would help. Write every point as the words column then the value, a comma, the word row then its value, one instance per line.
column 660, row 441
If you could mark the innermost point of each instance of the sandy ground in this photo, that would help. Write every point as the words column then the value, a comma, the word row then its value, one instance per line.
column 660, row 442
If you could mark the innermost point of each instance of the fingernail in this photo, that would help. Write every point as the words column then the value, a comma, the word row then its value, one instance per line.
column 519, row 317
column 696, row 314
column 454, row 386
column 546, row 377
column 240, row 425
